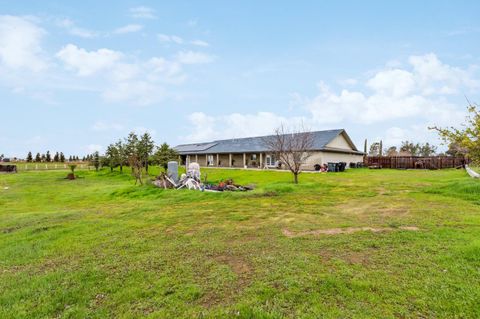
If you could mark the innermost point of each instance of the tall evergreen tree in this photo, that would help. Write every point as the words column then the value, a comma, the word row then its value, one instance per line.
column 164, row 154
column 29, row 157
column 146, row 146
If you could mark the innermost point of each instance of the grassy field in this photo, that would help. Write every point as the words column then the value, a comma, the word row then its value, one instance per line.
column 359, row 244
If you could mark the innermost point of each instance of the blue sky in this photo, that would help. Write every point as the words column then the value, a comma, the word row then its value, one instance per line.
column 77, row 75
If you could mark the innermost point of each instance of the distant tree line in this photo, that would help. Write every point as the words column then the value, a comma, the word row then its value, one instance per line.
column 136, row 152
column 407, row 148
column 58, row 157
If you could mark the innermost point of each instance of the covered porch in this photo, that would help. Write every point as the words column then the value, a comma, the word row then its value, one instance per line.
column 232, row 160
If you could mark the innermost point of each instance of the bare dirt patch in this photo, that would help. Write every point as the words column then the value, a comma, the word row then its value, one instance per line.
column 237, row 264
column 242, row 269
column 347, row 230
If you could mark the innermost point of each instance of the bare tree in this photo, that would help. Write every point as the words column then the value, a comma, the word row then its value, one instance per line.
column 291, row 147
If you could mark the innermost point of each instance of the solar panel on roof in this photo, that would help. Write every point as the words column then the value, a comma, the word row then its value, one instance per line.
column 194, row 147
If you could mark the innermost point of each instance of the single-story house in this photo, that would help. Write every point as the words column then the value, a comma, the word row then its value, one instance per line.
column 251, row 152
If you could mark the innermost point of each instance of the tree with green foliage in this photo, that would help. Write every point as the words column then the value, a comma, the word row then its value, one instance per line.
column 165, row 154
column 146, row 146
column 95, row 160
column 112, row 158
column 454, row 149
column 410, row 148
column 122, row 154
column 29, row 157
column 466, row 138
column 38, row 158
column 427, row 150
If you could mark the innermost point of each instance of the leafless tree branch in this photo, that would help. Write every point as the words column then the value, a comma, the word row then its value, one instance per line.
column 291, row 147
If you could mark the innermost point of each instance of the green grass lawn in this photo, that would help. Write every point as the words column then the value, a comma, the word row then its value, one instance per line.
column 101, row 247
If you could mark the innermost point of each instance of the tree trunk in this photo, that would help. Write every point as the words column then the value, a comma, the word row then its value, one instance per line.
column 295, row 178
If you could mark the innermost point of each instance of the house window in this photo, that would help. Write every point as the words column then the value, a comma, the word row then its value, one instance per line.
column 210, row 160
column 270, row 160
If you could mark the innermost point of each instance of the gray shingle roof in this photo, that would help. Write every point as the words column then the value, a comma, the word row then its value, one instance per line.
column 254, row 144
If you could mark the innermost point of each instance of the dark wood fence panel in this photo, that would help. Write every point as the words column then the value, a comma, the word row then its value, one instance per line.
column 412, row 162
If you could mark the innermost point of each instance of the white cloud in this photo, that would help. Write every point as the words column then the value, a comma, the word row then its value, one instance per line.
column 395, row 82
column 235, row 125
column 200, row 43
column 358, row 107
column 20, row 44
column 192, row 57
column 119, row 79
column 169, row 38
column 72, row 29
column 396, row 93
column 165, row 70
column 203, row 128
column 129, row 28
column 435, row 77
column 142, row 12
column 101, row 126
column 87, row 62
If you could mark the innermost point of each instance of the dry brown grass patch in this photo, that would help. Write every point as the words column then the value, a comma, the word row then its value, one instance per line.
column 347, row 230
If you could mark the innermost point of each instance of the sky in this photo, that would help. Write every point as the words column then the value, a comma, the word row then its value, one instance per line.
column 76, row 76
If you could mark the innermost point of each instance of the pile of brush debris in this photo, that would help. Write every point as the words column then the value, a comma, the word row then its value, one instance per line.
column 191, row 180
column 228, row 185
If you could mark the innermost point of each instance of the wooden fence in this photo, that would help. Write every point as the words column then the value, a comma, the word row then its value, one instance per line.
column 412, row 162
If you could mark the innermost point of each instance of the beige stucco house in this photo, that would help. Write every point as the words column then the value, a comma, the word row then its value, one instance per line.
column 251, row 152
